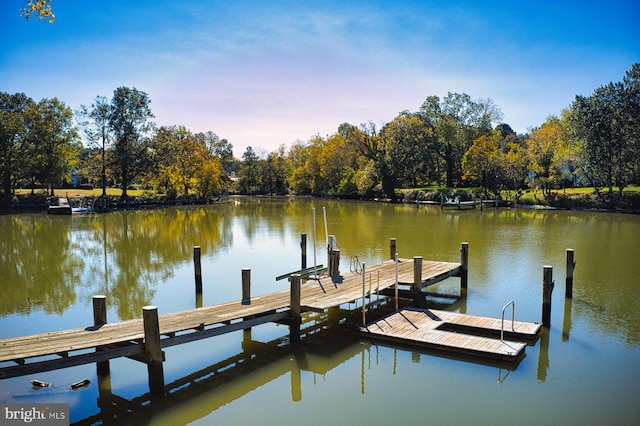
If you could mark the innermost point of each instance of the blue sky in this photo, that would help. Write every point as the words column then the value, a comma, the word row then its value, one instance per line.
column 266, row 73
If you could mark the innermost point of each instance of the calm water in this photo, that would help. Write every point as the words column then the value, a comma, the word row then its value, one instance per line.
column 584, row 370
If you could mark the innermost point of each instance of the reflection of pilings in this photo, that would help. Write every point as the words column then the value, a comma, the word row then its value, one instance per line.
column 273, row 358
column 543, row 355
column 296, row 378
column 247, row 338
column 362, row 369
column 566, row 321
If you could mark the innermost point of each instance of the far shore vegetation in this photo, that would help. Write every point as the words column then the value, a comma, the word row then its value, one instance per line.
column 455, row 146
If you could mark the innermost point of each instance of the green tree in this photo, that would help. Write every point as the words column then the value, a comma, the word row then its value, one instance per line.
column 94, row 122
column 300, row 177
column 607, row 125
column 181, row 161
column 129, row 120
column 456, row 122
column 250, row 172
column 13, row 142
column 514, row 163
column 376, row 170
column 54, row 142
column 483, row 161
column 408, row 146
column 275, row 172
column 221, row 148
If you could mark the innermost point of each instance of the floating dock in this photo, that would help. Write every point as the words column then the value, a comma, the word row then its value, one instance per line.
column 454, row 332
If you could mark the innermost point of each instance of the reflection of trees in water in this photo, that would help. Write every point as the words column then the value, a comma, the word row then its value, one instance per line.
column 124, row 255
column 36, row 262
column 134, row 251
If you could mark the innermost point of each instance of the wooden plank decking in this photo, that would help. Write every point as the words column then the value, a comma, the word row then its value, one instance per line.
column 434, row 329
column 347, row 287
column 125, row 338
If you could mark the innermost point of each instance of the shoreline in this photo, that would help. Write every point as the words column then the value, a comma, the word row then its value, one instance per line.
column 39, row 203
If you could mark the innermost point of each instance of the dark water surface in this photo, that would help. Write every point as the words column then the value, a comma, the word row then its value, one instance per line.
column 585, row 369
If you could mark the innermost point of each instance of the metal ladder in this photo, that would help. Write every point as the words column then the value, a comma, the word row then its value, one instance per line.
column 355, row 265
column 513, row 308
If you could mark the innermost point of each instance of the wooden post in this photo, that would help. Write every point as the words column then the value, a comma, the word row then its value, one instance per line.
column 417, row 281
column 334, row 262
column 571, row 264
column 547, row 289
column 295, row 309
column 464, row 269
column 246, row 286
column 198, row 269
column 100, row 319
column 303, row 249
column 392, row 248
column 153, row 349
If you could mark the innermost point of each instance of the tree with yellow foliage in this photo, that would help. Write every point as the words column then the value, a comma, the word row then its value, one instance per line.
column 549, row 153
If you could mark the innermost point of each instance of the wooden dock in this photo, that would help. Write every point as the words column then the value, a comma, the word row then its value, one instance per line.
column 453, row 332
column 103, row 341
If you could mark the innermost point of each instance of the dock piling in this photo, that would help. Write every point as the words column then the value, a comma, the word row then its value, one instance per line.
column 392, row 248
column 246, row 286
column 417, row 281
column 571, row 264
column 547, row 290
column 153, row 349
column 295, row 309
column 303, row 250
column 464, row 269
column 100, row 319
column 197, row 268
column 333, row 256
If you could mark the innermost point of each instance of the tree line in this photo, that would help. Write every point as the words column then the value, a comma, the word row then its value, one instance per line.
column 452, row 141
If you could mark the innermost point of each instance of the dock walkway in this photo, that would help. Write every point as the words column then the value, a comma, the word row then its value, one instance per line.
column 67, row 348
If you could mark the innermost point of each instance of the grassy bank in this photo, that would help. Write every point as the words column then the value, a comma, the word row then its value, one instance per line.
column 569, row 198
